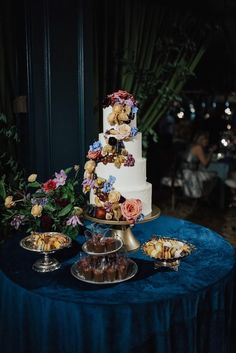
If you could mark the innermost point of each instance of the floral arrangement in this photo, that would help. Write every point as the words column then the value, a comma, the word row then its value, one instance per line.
column 55, row 205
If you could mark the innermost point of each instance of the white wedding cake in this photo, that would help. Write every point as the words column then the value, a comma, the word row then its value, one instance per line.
column 115, row 174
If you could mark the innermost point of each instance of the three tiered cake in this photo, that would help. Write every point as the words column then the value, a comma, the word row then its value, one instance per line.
column 115, row 174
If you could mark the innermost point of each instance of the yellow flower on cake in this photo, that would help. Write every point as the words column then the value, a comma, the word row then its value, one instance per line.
column 112, row 118
column 114, row 196
column 98, row 202
column 117, row 108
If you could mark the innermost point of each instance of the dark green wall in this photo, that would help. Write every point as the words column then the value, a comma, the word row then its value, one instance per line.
column 59, row 84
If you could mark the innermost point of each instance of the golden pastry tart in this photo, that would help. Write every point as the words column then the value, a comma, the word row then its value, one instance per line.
column 48, row 241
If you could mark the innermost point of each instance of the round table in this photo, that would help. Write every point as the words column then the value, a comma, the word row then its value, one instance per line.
column 157, row 311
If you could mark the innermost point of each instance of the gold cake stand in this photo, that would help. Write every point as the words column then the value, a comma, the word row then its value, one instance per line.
column 122, row 229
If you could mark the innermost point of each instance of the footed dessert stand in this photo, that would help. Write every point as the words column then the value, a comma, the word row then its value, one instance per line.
column 122, row 229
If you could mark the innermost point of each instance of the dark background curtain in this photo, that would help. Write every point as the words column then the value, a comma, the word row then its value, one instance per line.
column 150, row 49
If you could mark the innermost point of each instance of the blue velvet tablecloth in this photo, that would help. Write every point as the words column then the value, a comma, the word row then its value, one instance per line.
column 157, row 311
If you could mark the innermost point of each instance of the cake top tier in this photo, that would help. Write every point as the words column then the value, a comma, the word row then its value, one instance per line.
column 119, row 108
column 120, row 97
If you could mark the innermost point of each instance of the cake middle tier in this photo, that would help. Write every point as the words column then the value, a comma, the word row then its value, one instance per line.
column 126, row 177
column 132, row 145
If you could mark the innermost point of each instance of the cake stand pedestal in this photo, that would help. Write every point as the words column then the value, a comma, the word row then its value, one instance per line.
column 123, row 229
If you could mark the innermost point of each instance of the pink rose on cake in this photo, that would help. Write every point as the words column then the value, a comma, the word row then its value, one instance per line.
column 94, row 154
column 131, row 209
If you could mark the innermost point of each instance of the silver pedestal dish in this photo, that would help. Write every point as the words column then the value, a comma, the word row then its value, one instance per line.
column 46, row 263
column 167, row 252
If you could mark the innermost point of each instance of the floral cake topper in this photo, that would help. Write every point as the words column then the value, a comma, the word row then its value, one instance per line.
column 124, row 107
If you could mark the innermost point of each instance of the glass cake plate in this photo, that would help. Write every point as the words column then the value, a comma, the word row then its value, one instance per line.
column 132, row 270
column 166, row 251
column 119, row 245
column 46, row 263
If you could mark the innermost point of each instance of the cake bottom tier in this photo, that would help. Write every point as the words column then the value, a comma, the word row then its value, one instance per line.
column 144, row 193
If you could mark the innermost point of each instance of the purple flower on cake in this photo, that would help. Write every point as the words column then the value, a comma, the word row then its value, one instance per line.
column 74, row 221
column 60, row 178
column 130, row 161
column 108, row 206
column 87, row 184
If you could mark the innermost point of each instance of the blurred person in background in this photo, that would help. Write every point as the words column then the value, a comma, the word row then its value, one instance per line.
column 197, row 181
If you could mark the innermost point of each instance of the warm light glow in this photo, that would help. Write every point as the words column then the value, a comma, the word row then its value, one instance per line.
column 224, row 142
column 228, row 126
column 220, row 155
column 207, row 116
column 228, row 111
column 180, row 115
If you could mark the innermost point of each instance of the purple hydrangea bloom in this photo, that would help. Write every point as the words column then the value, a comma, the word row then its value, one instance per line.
column 42, row 201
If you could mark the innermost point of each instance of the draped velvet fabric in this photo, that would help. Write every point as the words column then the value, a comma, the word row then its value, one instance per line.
column 157, row 311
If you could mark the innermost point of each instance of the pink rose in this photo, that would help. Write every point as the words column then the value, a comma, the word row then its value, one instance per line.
column 94, row 154
column 131, row 209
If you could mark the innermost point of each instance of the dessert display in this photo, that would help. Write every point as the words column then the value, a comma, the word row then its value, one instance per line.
column 42, row 242
column 98, row 244
column 115, row 173
column 164, row 248
column 111, row 268
column 103, row 261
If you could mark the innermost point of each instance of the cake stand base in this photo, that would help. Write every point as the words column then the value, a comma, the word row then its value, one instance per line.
column 122, row 229
column 124, row 233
